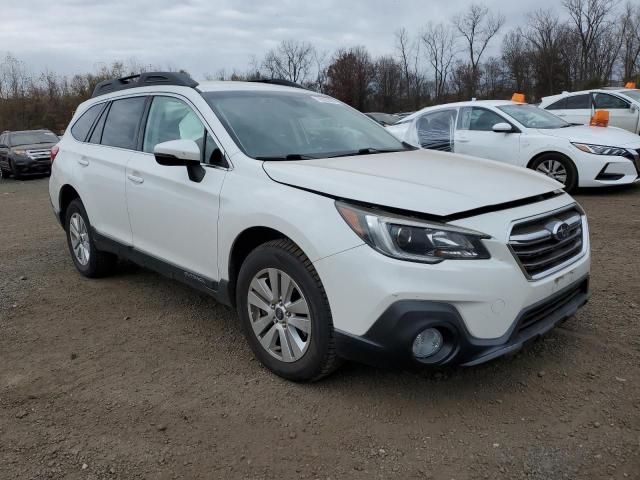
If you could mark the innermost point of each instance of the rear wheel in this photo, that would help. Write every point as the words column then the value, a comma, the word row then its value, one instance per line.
column 558, row 167
column 89, row 261
column 285, row 312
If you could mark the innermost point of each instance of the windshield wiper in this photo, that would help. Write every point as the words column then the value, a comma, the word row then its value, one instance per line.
column 366, row 151
column 291, row 156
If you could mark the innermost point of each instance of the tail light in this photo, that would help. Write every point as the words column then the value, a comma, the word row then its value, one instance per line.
column 54, row 152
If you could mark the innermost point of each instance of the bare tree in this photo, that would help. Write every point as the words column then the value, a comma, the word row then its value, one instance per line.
column 630, row 49
column 388, row 83
column 439, row 42
column 552, row 54
column 350, row 75
column 291, row 60
column 404, row 49
column 590, row 19
column 477, row 26
column 516, row 56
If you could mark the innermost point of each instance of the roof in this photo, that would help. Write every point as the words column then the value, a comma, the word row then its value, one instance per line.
column 227, row 86
column 582, row 92
column 469, row 103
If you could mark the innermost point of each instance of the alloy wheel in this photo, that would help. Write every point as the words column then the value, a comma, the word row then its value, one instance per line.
column 279, row 315
column 553, row 169
column 79, row 239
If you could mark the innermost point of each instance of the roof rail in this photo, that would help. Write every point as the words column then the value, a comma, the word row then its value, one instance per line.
column 279, row 81
column 146, row 79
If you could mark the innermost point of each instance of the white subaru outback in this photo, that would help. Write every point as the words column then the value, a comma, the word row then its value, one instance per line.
column 332, row 238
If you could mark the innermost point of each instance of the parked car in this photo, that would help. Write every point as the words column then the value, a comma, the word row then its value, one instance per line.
column 26, row 152
column 384, row 119
column 332, row 238
column 527, row 136
column 623, row 105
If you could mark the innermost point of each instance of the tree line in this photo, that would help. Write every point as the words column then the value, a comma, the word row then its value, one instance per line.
column 583, row 44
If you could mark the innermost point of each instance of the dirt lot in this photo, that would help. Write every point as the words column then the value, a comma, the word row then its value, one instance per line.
column 136, row 376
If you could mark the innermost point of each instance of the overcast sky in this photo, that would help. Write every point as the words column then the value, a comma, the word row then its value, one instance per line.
column 204, row 36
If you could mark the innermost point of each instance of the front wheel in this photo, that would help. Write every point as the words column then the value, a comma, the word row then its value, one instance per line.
column 559, row 168
column 285, row 313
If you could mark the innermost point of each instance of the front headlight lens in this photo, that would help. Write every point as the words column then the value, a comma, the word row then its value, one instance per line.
column 413, row 239
column 19, row 151
column 601, row 149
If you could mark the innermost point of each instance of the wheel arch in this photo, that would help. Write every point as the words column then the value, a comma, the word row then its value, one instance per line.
column 244, row 243
column 67, row 195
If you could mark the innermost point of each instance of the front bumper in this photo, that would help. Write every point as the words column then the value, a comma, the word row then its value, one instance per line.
column 606, row 170
column 32, row 167
column 388, row 342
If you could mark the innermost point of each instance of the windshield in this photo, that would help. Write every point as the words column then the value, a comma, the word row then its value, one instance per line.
column 534, row 117
column 633, row 94
column 31, row 138
column 270, row 125
column 385, row 118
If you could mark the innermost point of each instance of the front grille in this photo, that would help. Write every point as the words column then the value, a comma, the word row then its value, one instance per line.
column 548, row 242
column 540, row 312
column 40, row 154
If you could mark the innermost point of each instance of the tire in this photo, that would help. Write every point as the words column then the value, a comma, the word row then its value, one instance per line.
column 318, row 357
column 95, row 263
column 547, row 162
column 15, row 175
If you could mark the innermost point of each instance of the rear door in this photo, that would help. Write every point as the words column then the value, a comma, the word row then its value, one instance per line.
column 475, row 136
column 620, row 113
column 573, row 108
column 174, row 218
column 102, row 165
column 435, row 130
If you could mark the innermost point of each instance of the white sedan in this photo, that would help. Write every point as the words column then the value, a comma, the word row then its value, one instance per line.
column 527, row 136
column 623, row 105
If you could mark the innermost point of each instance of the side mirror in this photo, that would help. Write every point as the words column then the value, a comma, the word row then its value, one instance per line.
column 502, row 127
column 634, row 108
column 181, row 153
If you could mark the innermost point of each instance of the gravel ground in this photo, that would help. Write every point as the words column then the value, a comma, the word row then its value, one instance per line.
column 136, row 376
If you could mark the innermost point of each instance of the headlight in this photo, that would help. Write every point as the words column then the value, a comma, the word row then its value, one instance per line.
column 411, row 239
column 19, row 151
column 600, row 149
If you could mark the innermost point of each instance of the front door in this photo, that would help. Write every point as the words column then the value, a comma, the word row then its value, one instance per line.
column 172, row 217
column 620, row 113
column 475, row 136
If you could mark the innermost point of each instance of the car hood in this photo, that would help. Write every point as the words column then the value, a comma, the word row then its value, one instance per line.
column 35, row 146
column 425, row 181
column 610, row 136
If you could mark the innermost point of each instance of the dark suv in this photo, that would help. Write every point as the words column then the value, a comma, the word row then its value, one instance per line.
column 26, row 153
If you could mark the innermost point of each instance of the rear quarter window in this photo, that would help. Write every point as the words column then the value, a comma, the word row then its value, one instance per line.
column 81, row 128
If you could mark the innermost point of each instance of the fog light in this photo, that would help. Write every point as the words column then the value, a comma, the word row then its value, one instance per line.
column 427, row 343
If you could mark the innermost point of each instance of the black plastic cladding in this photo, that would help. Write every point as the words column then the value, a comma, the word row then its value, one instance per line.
column 147, row 79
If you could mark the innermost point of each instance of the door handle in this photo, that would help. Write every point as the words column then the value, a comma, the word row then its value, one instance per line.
column 561, row 114
column 83, row 161
column 135, row 178
column 462, row 140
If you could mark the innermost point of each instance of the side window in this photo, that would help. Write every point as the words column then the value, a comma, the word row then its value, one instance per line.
column 121, row 124
column 609, row 102
column 479, row 119
column 96, row 136
column 559, row 105
column 81, row 128
column 578, row 102
column 172, row 119
column 435, row 130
